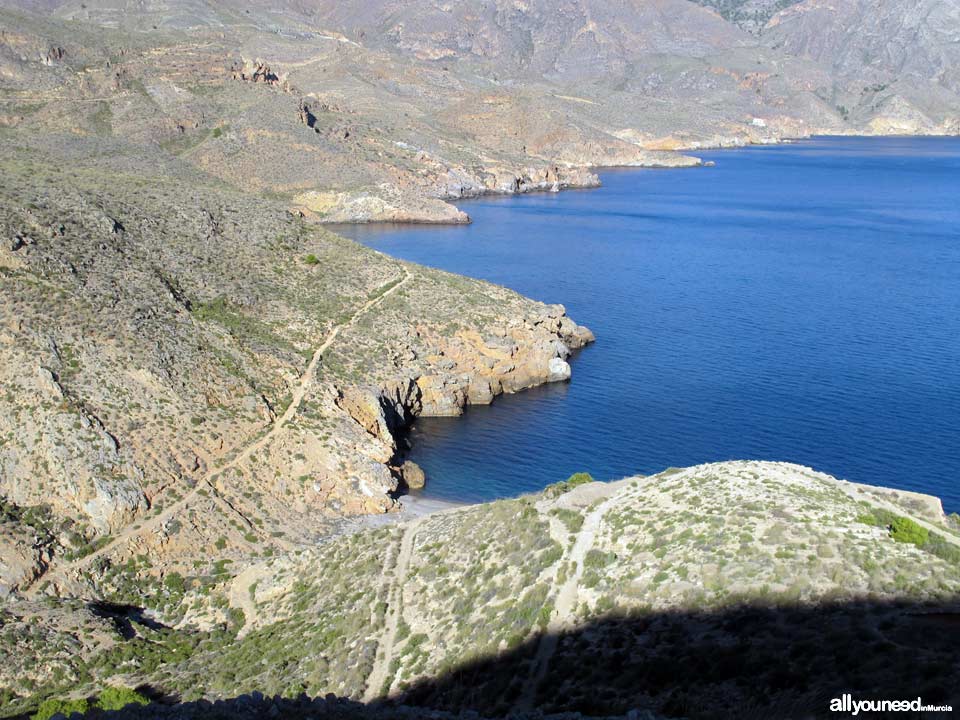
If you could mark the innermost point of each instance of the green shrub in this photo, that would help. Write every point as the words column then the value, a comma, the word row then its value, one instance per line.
column 580, row 478
column 54, row 706
column 117, row 698
column 311, row 259
column 565, row 486
column 903, row 529
column 572, row 519
column 174, row 583
column 598, row 559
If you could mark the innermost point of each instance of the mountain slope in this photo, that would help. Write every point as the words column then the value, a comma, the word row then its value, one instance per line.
column 188, row 370
column 917, row 40
column 573, row 40
column 898, row 60
column 693, row 593
column 379, row 111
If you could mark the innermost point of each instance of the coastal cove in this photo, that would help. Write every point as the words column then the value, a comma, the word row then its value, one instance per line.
column 797, row 302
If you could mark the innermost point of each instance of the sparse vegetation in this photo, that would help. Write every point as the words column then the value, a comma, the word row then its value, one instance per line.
column 569, row 484
column 117, row 698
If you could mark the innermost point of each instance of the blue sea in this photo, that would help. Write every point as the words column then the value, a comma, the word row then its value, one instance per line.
column 798, row 302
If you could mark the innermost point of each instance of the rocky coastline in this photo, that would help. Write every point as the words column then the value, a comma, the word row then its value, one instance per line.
column 466, row 369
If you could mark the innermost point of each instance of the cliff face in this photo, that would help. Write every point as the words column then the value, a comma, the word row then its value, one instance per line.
column 587, row 598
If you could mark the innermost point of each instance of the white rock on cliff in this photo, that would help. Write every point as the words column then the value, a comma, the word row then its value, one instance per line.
column 558, row 370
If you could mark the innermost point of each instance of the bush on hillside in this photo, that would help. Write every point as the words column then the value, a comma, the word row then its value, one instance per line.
column 56, row 706
column 903, row 529
column 565, row 486
column 117, row 698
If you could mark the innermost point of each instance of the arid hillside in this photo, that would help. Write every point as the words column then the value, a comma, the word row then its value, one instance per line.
column 899, row 62
column 386, row 111
column 695, row 593
column 203, row 388
column 188, row 373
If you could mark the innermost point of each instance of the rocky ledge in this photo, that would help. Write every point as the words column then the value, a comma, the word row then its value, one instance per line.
column 468, row 368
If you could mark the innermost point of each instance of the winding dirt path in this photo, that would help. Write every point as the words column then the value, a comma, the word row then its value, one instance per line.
column 565, row 602
column 306, row 380
column 381, row 664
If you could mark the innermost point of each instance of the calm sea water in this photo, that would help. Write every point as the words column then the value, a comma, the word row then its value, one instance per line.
column 798, row 303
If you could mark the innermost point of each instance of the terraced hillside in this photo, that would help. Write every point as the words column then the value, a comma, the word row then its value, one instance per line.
column 693, row 593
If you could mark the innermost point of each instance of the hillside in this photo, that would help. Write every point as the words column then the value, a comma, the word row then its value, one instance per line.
column 379, row 111
column 899, row 60
column 691, row 593
column 204, row 389
column 168, row 357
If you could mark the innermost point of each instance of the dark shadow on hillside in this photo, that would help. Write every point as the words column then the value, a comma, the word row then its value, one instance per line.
column 742, row 662
column 123, row 617
column 747, row 661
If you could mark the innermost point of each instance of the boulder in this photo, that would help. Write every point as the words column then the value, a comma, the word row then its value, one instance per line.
column 559, row 370
column 413, row 475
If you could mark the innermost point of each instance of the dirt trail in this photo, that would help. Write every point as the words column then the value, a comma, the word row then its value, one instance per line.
column 381, row 664
column 306, row 380
column 565, row 601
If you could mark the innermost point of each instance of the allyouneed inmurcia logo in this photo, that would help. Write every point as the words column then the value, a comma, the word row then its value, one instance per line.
column 847, row 704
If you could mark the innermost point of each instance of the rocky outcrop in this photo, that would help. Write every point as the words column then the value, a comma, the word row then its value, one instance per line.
column 413, row 475
column 24, row 557
column 384, row 411
column 472, row 369
column 257, row 71
column 551, row 178
column 394, row 203
column 96, row 480
column 468, row 368
column 384, row 203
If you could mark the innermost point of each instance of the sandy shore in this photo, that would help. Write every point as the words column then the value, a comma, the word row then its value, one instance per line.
column 414, row 506
column 411, row 508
